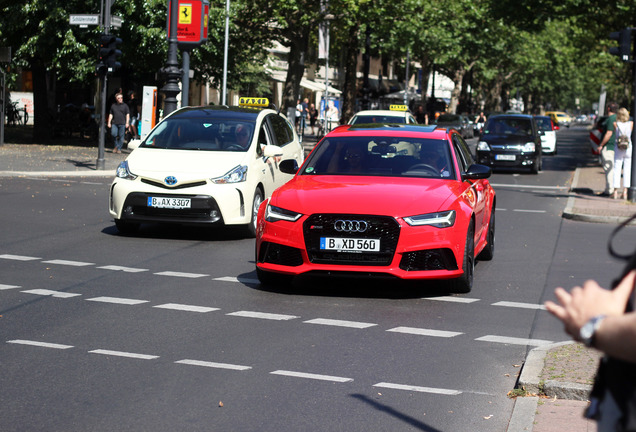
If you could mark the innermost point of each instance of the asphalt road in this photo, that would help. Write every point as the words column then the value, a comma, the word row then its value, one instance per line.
column 170, row 329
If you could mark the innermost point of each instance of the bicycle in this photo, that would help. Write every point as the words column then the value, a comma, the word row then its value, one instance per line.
column 15, row 115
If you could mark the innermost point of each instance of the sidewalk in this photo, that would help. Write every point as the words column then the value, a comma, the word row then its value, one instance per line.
column 566, row 396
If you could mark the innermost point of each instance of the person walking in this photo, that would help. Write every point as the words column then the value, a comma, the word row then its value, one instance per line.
column 313, row 116
column 622, row 152
column 133, row 107
column 118, row 121
column 607, row 149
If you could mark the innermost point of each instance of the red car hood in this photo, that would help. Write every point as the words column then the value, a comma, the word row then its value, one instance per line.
column 390, row 196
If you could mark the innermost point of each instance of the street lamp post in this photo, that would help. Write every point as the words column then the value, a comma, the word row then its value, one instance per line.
column 172, row 72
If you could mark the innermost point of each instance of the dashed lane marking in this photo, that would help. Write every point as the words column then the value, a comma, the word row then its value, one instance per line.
column 214, row 365
column 45, row 292
column 187, row 308
column 311, row 376
column 340, row 323
column 425, row 332
column 39, row 344
column 8, row 287
column 263, row 315
column 418, row 389
column 235, row 279
column 69, row 263
column 117, row 300
column 124, row 354
column 530, row 186
column 123, row 269
column 520, row 305
column 453, row 299
column 183, row 275
column 18, row 257
column 528, row 211
column 513, row 340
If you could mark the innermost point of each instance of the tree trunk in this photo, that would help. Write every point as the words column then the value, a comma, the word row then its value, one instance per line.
column 296, row 69
column 349, row 91
column 41, row 121
column 457, row 79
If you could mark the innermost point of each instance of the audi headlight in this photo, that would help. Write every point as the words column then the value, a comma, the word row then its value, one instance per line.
column 124, row 172
column 235, row 175
column 483, row 146
column 439, row 220
column 528, row 147
column 274, row 214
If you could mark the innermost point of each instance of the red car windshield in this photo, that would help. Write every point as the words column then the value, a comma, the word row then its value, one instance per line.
column 381, row 156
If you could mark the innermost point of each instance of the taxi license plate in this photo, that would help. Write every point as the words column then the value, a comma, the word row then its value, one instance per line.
column 169, row 202
column 349, row 244
column 505, row 157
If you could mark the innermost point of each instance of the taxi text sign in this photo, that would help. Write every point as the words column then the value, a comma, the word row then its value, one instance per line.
column 192, row 23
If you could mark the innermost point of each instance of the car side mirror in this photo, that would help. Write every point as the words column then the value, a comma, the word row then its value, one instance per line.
column 133, row 144
column 476, row 172
column 289, row 166
column 272, row 151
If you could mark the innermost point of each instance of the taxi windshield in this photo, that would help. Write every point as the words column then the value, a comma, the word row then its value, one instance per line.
column 208, row 134
column 365, row 119
column 381, row 156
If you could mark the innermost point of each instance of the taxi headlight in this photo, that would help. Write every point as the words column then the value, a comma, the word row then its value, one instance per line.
column 123, row 171
column 235, row 175
column 274, row 214
column 483, row 146
column 528, row 147
column 439, row 220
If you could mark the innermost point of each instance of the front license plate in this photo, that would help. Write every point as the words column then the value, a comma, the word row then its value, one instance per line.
column 169, row 203
column 350, row 244
column 505, row 157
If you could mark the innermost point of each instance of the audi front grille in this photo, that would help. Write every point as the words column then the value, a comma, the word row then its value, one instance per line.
column 351, row 226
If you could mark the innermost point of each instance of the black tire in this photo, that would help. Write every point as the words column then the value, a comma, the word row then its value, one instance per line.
column 250, row 228
column 489, row 251
column 126, row 227
column 272, row 279
column 464, row 283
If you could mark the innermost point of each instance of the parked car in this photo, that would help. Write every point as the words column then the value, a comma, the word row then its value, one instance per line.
column 512, row 141
column 405, row 201
column 395, row 114
column 560, row 118
column 549, row 136
column 458, row 122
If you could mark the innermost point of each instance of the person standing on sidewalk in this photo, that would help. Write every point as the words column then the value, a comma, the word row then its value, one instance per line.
column 118, row 121
column 607, row 148
column 622, row 156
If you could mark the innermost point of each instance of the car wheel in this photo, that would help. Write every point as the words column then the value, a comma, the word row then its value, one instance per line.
column 256, row 203
column 464, row 283
column 489, row 251
column 272, row 279
column 126, row 227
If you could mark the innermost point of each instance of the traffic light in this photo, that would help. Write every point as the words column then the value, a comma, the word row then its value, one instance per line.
column 109, row 52
column 624, row 48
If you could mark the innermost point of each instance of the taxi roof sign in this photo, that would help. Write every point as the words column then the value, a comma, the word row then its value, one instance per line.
column 253, row 102
column 398, row 108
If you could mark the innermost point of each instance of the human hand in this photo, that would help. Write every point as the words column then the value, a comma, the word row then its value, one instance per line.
column 581, row 304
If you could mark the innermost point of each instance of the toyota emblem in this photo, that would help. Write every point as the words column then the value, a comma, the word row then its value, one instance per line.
column 350, row 225
column 170, row 180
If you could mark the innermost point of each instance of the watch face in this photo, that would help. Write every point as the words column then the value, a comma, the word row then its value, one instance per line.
column 587, row 330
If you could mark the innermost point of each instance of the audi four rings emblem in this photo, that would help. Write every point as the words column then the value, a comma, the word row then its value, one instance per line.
column 350, row 225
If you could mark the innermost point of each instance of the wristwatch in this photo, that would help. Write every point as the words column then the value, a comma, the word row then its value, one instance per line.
column 588, row 331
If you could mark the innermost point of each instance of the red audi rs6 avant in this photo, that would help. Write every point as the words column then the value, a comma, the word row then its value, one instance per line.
column 403, row 201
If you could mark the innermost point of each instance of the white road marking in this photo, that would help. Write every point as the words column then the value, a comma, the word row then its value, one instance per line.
column 453, row 299
column 124, row 269
column 183, row 275
column 117, row 300
column 39, row 344
column 529, row 211
column 235, row 279
column 418, row 389
column 263, row 315
column 124, row 354
column 187, row 308
column 529, row 187
column 311, row 376
column 519, row 305
column 214, row 365
column 69, row 263
column 90, row 183
column 18, row 257
column 8, row 287
column 45, row 292
column 514, row 341
column 340, row 323
column 425, row 332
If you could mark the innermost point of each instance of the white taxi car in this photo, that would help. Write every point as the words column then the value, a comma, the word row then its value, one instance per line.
column 210, row 165
column 395, row 114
